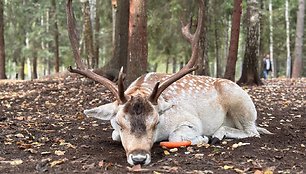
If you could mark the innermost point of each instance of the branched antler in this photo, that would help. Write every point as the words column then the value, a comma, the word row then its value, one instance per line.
column 118, row 92
column 190, row 66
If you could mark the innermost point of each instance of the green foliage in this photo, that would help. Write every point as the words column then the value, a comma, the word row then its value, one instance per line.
column 29, row 27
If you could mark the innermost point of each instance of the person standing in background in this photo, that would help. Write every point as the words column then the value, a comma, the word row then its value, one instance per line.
column 266, row 66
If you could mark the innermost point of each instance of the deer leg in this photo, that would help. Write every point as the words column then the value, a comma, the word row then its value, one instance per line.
column 230, row 132
column 187, row 132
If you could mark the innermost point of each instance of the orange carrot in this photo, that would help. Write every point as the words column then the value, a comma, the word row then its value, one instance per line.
column 170, row 145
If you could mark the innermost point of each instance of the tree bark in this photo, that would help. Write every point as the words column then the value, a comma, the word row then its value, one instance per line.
column 298, row 63
column 34, row 66
column 88, row 35
column 121, row 38
column 55, row 36
column 249, row 74
column 233, row 49
column 288, row 67
column 138, row 44
column 21, row 68
column 2, row 43
column 203, row 64
column 273, row 61
column 97, row 31
column 217, row 45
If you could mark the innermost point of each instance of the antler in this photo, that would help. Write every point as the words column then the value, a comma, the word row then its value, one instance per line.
column 118, row 92
column 190, row 66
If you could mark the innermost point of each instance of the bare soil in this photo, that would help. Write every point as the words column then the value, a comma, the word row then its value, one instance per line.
column 43, row 130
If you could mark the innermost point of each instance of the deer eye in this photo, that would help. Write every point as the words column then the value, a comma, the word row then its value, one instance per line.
column 120, row 126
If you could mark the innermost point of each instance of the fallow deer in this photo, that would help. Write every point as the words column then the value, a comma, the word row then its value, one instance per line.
column 176, row 107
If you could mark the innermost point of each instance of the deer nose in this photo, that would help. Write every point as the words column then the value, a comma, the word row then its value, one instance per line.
column 139, row 157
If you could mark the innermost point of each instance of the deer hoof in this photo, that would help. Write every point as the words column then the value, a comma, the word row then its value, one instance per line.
column 214, row 140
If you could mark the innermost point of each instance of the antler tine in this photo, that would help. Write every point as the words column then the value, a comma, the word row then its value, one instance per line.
column 190, row 66
column 81, row 68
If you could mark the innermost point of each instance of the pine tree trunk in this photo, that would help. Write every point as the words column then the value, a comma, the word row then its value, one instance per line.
column 288, row 68
column 138, row 44
column 55, row 36
column 273, row 61
column 121, row 38
column 174, row 64
column 298, row 64
column 21, row 68
column 203, row 64
column 88, row 35
column 249, row 74
column 2, row 44
column 34, row 65
column 217, row 50
column 233, row 49
column 97, row 31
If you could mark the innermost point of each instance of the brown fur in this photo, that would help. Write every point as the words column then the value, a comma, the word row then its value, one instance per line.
column 138, row 109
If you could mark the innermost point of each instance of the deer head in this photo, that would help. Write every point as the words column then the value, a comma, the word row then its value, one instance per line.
column 135, row 114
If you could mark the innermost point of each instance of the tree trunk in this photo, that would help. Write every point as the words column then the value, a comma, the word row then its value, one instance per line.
column 203, row 64
column 298, row 64
column 261, row 51
column 2, row 44
column 97, row 31
column 249, row 74
column 273, row 61
column 55, row 36
column 138, row 44
column 288, row 68
column 88, row 35
column 34, row 66
column 174, row 64
column 21, row 68
column 121, row 38
column 233, row 49
column 217, row 45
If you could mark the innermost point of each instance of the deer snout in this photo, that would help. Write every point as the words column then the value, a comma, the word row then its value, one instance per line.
column 139, row 157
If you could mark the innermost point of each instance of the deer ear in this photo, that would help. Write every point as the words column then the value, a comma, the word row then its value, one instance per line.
column 104, row 112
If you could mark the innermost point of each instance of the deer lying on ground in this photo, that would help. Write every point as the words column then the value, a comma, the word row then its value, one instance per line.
column 176, row 107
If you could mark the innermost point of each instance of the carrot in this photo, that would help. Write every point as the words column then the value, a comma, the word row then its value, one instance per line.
column 170, row 145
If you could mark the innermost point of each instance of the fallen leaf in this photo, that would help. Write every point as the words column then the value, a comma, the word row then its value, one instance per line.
column 13, row 162
column 226, row 167
column 59, row 152
column 101, row 163
column 166, row 152
column 173, row 150
column 45, row 153
column 58, row 162
column 88, row 166
column 19, row 135
column 258, row 172
column 199, row 155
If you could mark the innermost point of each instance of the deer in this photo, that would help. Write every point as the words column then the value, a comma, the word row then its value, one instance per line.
column 174, row 107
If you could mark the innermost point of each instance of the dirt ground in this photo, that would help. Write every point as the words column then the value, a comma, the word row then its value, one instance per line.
column 43, row 130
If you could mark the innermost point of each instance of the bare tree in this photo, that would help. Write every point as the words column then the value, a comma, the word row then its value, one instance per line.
column 233, row 49
column 2, row 44
column 250, row 63
column 298, row 63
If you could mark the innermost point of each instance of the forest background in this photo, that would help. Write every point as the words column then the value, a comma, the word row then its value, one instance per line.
column 37, row 42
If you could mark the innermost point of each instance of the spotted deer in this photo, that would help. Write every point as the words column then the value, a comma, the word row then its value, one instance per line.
column 177, row 107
